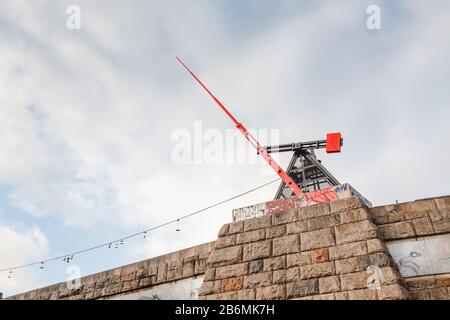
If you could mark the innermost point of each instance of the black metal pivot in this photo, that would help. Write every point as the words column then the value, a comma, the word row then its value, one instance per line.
column 304, row 168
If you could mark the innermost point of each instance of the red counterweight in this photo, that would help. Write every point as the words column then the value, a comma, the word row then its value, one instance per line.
column 333, row 142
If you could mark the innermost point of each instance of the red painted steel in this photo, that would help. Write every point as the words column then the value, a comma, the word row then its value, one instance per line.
column 333, row 142
column 253, row 141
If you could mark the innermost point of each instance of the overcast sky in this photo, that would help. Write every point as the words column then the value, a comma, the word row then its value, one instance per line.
column 88, row 116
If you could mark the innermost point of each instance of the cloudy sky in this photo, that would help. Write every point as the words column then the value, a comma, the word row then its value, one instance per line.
column 88, row 116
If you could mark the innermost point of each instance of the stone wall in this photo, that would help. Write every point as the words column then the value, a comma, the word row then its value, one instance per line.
column 420, row 221
column 413, row 219
column 334, row 250
column 165, row 269
column 331, row 251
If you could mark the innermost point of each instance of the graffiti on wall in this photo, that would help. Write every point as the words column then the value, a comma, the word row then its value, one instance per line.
column 281, row 205
column 422, row 256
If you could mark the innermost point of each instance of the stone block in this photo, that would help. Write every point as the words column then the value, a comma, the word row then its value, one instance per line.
column 225, row 256
column 423, row 205
column 393, row 292
column 329, row 284
column 363, row 294
column 174, row 274
column 130, row 285
column 257, row 223
column 356, row 231
column 443, row 280
column 423, row 226
column 352, row 281
column 379, row 214
column 441, row 226
column 257, row 250
column 387, row 232
column 317, row 239
column 421, row 283
column 376, row 245
column 232, row 284
column 317, row 210
column 275, row 232
column 224, row 296
column 273, row 292
column 284, row 217
column 439, row 215
column 326, row 296
column 317, row 270
column 141, row 273
column 210, row 274
column 279, row 276
column 313, row 224
column 348, row 250
column 320, row 255
column 394, row 213
column 128, row 277
column 256, row 266
column 224, row 230
column 276, row 263
column 341, row 295
column 248, row 294
column 225, row 241
column 302, row 288
column 257, row 280
column 162, row 272
column 236, row 227
column 404, row 229
column 251, row 236
column 346, row 204
column 442, row 202
column 286, row 245
column 293, row 274
column 188, row 269
column 354, row 215
column 230, row 271
column 347, row 265
column 380, row 259
column 421, row 295
column 362, row 262
column 199, row 266
column 439, row 294
column 390, row 276
column 296, row 227
column 298, row 259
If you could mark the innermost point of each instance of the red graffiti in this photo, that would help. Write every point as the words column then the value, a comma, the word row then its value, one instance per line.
column 280, row 205
column 324, row 195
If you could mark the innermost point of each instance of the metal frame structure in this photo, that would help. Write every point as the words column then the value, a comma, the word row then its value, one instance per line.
column 304, row 168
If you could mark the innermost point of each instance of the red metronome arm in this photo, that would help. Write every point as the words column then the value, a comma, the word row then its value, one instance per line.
column 253, row 141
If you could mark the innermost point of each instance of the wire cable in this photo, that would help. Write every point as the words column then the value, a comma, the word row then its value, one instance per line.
column 109, row 243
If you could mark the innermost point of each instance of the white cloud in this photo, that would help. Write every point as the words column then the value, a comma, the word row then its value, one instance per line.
column 19, row 247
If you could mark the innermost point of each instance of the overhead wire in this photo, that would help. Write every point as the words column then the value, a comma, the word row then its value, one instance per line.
column 143, row 232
